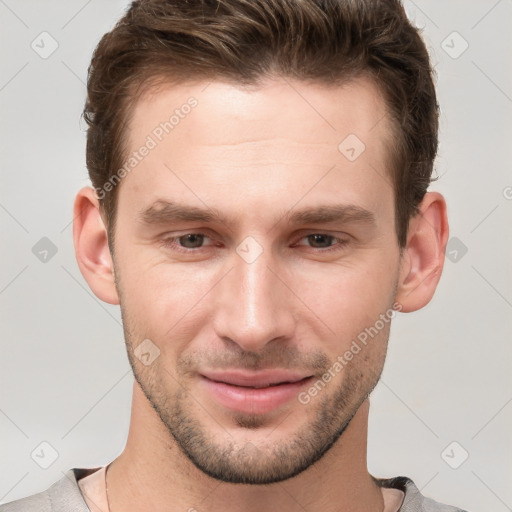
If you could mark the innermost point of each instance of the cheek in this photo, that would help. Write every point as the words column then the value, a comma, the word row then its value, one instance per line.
column 164, row 300
column 350, row 299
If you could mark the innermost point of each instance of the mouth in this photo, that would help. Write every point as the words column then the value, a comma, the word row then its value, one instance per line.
column 254, row 392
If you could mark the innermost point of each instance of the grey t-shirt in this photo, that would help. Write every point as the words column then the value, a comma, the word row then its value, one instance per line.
column 65, row 496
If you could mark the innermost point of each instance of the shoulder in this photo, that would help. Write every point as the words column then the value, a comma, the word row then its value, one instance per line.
column 414, row 501
column 63, row 496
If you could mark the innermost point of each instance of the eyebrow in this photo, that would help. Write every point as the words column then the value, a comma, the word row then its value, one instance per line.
column 331, row 213
column 168, row 212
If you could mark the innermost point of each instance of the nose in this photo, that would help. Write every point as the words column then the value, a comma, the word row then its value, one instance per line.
column 253, row 305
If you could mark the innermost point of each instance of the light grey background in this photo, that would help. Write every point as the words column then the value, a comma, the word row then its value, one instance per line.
column 65, row 376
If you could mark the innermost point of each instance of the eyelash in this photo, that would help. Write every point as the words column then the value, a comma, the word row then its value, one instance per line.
column 171, row 243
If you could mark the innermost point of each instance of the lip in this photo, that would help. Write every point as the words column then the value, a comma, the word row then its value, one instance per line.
column 253, row 392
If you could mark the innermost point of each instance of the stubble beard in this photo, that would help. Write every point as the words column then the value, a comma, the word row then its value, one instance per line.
column 247, row 462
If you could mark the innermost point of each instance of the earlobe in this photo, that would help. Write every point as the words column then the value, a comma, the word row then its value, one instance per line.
column 91, row 246
column 423, row 256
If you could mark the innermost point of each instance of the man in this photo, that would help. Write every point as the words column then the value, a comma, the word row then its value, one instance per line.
column 260, row 212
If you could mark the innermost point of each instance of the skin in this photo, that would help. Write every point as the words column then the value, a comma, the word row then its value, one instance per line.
column 255, row 155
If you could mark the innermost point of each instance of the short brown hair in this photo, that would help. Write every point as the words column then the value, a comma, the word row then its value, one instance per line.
column 244, row 41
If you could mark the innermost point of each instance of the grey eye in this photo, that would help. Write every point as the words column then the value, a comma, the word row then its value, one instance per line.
column 321, row 239
column 194, row 239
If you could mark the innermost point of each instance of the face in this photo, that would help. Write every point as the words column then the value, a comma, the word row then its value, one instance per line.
column 255, row 248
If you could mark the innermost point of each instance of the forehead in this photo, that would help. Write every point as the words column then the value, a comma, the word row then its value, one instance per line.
column 207, row 139
column 224, row 113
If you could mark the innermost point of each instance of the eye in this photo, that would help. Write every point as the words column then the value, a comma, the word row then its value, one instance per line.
column 324, row 242
column 185, row 243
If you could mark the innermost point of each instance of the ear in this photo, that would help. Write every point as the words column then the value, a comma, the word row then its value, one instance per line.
column 91, row 246
column 423, row 256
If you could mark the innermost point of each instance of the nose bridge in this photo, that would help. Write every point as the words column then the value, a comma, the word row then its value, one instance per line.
column 253, row 306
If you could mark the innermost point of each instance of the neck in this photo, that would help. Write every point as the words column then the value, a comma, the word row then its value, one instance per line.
column 153, row 474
